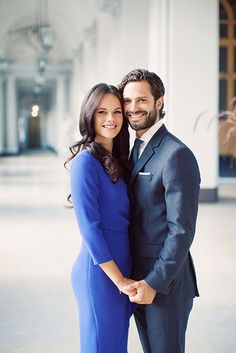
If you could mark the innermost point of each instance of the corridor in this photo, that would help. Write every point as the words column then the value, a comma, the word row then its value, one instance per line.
column 40, row 240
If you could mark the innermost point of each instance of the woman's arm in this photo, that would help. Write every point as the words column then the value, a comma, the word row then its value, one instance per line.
column 85, row 198
column 115, row 275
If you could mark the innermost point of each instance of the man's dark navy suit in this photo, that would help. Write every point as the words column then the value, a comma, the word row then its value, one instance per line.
column 164, row 190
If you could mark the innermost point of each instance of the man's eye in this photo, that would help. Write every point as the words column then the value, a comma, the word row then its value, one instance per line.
column 126, row 101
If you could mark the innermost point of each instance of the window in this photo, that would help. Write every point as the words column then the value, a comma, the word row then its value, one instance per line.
column 227, row 81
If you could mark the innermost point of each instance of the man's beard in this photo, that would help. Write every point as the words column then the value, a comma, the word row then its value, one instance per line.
column 150, row 120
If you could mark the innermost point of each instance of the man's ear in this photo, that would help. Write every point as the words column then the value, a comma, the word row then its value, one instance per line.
column 160, row 103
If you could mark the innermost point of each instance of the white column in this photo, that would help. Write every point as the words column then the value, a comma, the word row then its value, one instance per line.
column 158, row 46
column 11, row 117
column 90, row 60
column 60, row 113
column 133, row 41
column 193, row 80
column 103, row 58
column 77, row 92
column 76, row 83
column 107, row 41
column 115, row 47
column 1, row 118
column 60, row 100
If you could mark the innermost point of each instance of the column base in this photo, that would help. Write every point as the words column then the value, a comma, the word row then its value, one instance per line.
column 208, row 195
column 8, row 154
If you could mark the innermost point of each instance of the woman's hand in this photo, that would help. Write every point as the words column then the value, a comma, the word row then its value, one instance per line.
column 116, row 276
column 123, row 283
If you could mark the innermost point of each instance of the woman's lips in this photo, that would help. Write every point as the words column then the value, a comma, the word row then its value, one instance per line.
column 109, row 126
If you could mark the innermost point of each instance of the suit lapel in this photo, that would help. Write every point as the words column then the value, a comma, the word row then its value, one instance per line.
column 147, row 153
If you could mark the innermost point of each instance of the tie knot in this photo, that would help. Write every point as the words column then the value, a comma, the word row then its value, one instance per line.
column 137, row 143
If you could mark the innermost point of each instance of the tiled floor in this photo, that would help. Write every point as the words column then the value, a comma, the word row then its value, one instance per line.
column 39, row 242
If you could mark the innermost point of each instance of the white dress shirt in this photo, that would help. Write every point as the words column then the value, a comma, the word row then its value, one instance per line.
column 146, row 137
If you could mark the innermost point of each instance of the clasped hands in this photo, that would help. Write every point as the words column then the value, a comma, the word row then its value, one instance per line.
column 138, row 291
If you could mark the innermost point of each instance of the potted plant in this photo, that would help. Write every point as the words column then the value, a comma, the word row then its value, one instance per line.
column 227, row 137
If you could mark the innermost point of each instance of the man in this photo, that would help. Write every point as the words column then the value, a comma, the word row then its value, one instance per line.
column 163, row 189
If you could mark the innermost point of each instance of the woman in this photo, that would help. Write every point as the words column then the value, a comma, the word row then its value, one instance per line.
column 99, row 196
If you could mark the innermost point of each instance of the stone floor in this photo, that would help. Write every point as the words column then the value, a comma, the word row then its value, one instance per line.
column 39, row 242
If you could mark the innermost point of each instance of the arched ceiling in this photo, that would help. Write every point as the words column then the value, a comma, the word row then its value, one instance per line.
column 68, row 20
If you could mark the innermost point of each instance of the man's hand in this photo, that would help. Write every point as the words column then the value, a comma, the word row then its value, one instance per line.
column 144, row 293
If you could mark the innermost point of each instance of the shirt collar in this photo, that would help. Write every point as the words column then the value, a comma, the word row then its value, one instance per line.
column 146, row 137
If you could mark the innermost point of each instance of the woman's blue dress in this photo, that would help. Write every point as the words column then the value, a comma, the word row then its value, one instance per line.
column 102, row 212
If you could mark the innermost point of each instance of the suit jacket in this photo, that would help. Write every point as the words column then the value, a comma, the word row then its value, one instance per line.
column 163, row 190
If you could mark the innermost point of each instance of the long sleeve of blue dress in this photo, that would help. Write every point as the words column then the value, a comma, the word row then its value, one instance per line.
column 85, row 199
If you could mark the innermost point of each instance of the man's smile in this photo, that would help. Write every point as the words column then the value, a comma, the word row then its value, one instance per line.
column 136, row 116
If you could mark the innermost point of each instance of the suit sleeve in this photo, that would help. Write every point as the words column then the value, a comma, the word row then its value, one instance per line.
column 85, row 199
column 181, row 181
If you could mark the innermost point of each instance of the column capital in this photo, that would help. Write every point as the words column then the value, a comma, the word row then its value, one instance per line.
column 112, row 7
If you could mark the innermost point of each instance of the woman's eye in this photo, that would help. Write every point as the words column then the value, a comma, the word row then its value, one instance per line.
column 118, row 112
column 101, row 112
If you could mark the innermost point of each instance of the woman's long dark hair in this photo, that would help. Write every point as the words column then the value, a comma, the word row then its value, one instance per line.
column 115, row 164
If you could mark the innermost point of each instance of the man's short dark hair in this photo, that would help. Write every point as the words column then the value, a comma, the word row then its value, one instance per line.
column 156, row 84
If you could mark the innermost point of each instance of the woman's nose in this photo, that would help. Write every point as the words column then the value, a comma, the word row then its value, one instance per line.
column 110, row 117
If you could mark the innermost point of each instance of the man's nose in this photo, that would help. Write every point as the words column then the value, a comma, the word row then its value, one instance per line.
column 132, row 107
